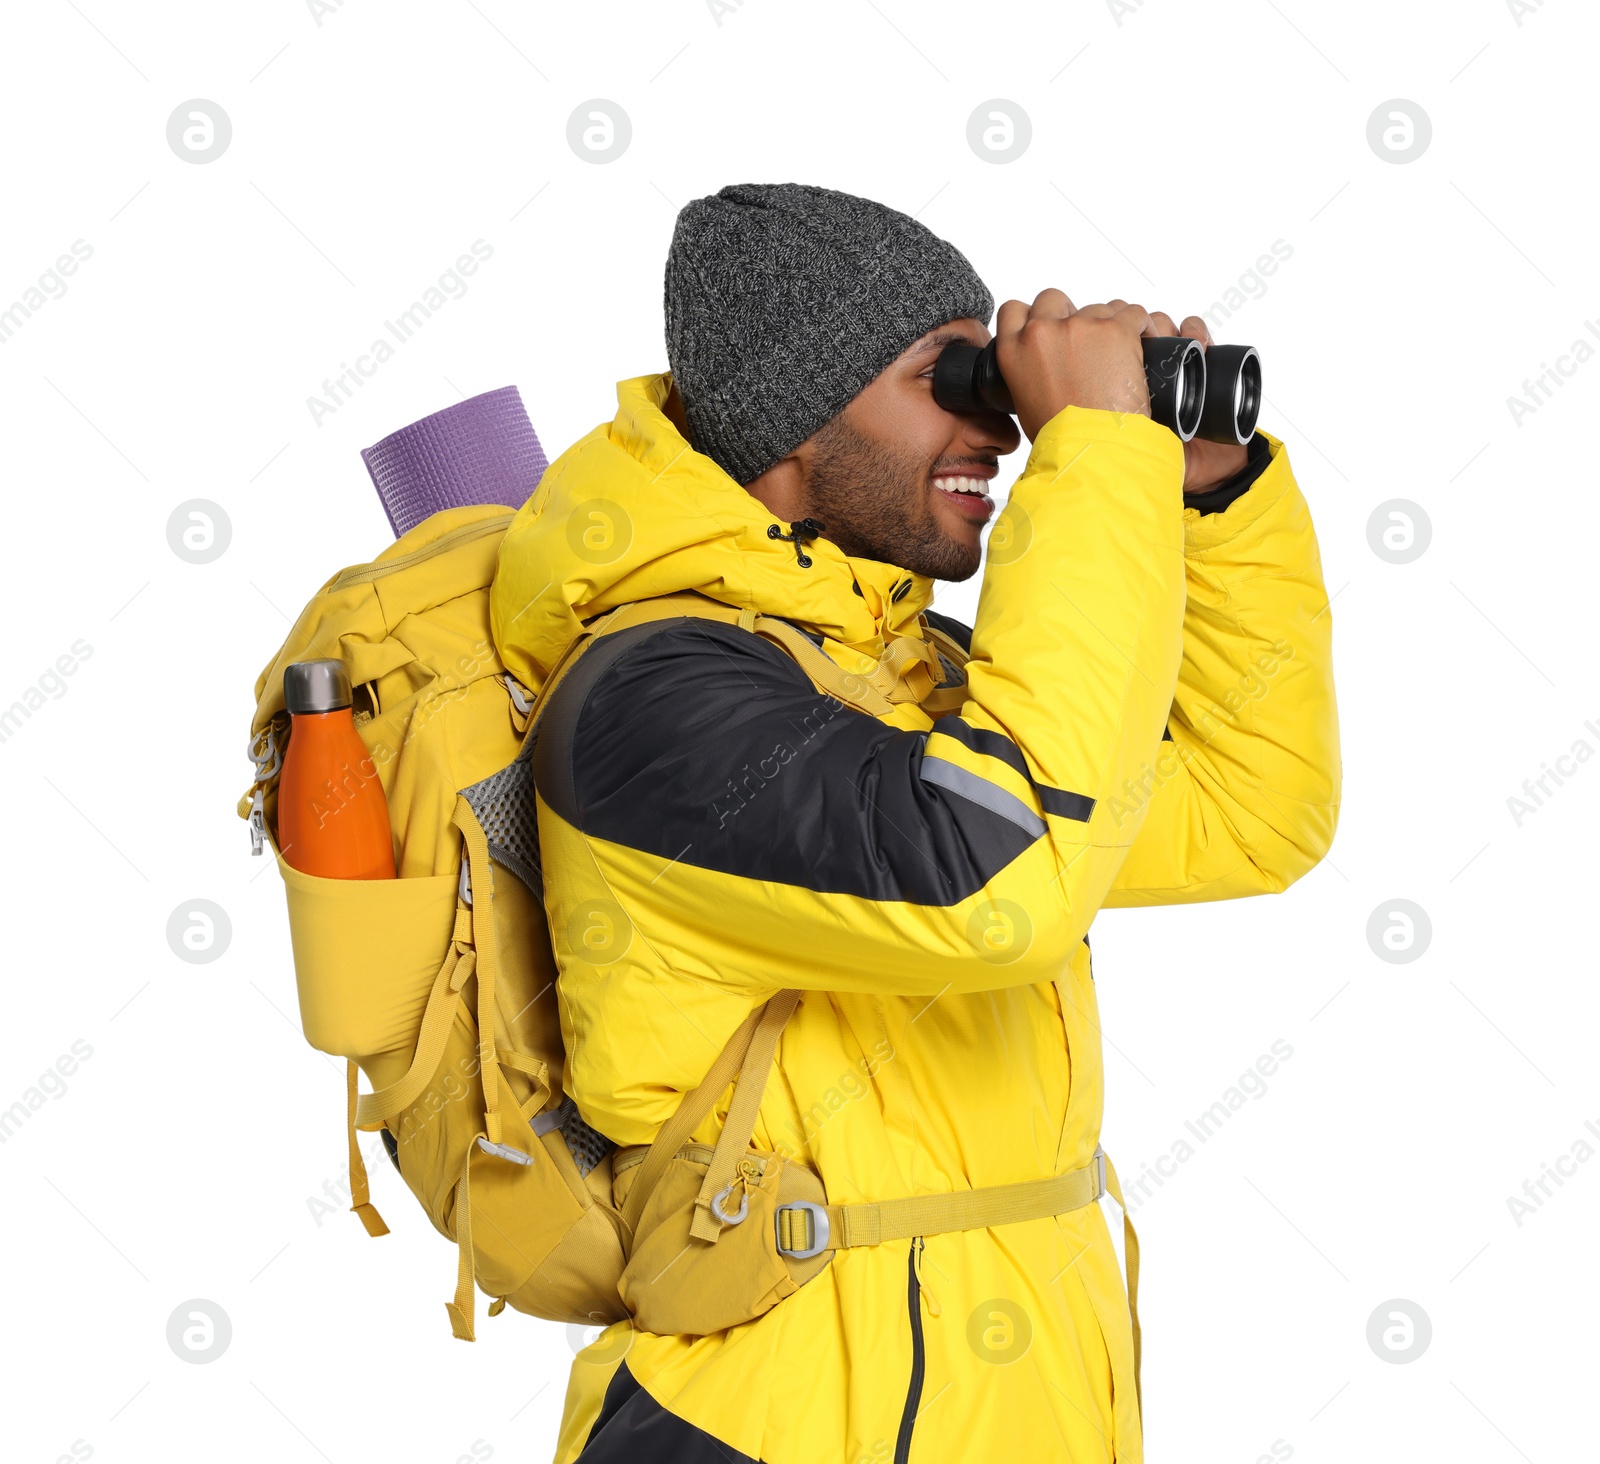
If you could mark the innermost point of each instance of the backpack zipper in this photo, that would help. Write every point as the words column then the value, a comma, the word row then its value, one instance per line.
column 361, row 574
column 908, row 1418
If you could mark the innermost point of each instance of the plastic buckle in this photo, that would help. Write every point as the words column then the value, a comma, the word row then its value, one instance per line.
column 504, row 1151
column 267, row 762
column 1100, row 1187
column 258, row 822
column 521, row 698
column 464, row 884
column 819, row 1230
column 716, row 1205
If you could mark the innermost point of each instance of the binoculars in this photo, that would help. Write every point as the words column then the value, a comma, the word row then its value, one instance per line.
column 1214, row 394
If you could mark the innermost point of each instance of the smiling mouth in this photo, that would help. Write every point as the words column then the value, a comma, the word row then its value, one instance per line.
column 969, row 496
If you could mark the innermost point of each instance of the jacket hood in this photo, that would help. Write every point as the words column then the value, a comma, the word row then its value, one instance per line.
column 631, row 512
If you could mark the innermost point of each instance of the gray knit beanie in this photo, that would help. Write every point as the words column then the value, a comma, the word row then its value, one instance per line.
column 783, row 301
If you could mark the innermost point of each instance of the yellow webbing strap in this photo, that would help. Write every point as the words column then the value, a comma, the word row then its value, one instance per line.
column 535, row 1069
column 1130, row 1251
column 974, row 1209
column 906, row 669
column 463, row 1307
column 741, row 1122
column 825, row 673
column 944, row 701
column 693, row 1107
column 372, row 1109
column 905, row 673
column 488, row 967
column 665, row 607
column 946, row 645
column 360, row 1195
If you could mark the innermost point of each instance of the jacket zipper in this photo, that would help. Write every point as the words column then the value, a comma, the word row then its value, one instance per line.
column 908, row 1418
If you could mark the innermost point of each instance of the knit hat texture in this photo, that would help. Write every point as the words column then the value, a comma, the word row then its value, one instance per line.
column 783, row 301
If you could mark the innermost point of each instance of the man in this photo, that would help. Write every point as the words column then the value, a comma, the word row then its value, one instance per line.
column 1147, row 717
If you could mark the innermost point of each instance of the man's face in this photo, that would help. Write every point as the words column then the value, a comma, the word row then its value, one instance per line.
column 894, row 477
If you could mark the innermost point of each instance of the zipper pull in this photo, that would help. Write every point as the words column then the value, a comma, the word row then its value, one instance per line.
column 934, row 1309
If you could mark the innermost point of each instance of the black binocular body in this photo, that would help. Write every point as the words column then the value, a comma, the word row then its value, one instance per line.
column 1214, row 394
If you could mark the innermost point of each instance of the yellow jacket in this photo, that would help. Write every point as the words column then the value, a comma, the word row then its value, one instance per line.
column 1150, row 719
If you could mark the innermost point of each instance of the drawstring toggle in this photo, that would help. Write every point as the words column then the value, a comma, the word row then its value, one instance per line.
column 801, row 532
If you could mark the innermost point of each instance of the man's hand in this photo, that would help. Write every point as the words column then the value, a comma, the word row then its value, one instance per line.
column 1054, row 355
column 1205, row 464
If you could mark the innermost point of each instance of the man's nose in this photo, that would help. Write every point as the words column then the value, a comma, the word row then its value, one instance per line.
column 995, row 432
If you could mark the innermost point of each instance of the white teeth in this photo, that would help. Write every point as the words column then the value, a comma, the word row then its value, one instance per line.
column 962, row 485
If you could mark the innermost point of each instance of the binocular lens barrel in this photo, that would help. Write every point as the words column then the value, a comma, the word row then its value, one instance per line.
column 1214, row 394
column 1233, row 394
column 966, row 378
column 1175, row 371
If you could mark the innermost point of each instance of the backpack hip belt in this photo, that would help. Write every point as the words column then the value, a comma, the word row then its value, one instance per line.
column 807, row 1229
column 798, row 1235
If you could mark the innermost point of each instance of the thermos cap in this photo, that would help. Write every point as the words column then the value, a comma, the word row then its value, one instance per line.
column 315, row 686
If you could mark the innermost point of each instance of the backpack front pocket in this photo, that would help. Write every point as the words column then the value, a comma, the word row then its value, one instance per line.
column 366, row 952
column 678, row 1285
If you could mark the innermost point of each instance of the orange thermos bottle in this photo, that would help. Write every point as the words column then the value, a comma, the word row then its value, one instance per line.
column 333, row 820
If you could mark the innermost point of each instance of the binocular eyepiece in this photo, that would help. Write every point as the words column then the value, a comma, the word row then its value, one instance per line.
column 1214, row 394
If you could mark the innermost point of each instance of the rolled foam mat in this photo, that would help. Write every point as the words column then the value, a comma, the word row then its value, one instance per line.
column 482, row 450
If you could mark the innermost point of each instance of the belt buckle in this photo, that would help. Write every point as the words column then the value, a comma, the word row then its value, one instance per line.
column 819, row 1231
column 1100, row 1186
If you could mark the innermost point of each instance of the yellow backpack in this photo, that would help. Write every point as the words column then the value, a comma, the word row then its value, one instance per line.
column 439, row 985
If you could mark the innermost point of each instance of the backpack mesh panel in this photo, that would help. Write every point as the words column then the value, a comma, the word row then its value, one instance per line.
column 504, row 806
column 588, row 1146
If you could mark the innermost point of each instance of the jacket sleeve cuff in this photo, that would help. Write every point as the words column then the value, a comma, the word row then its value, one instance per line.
column 1204, row 532
column 1221, row 497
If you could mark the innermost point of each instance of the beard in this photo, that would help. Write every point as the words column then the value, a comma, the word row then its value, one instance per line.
column 874, row 503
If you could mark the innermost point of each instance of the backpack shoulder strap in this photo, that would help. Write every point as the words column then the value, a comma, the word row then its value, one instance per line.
column 824, row 673
column 946, row 698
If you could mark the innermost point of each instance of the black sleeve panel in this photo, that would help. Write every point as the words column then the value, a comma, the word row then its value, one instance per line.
column 694, row 740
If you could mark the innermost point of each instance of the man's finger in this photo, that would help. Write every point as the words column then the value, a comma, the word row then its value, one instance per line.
column 1137, row 317
column 1053, row 305
column 1011, row 318
column 1196, row 329
column 1161, row 324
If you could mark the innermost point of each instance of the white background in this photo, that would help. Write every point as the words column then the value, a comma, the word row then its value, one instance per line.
column 1168, row 152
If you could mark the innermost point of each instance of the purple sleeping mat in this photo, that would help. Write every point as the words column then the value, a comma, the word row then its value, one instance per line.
column 482, row 450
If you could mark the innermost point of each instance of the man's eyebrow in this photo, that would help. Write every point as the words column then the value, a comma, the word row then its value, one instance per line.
column 937, row 342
